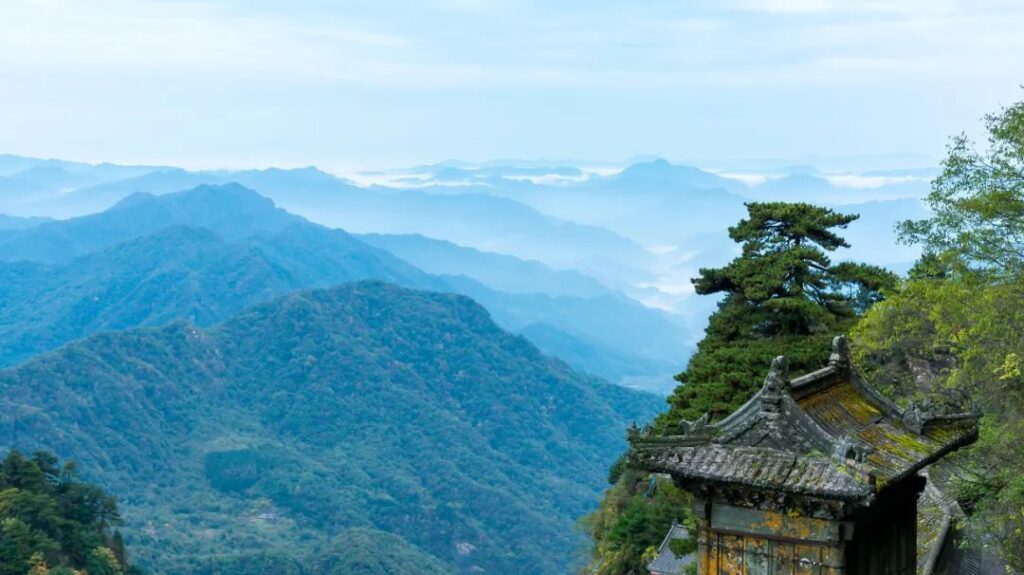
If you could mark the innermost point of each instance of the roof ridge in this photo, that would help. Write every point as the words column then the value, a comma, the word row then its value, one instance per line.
column 827, row 433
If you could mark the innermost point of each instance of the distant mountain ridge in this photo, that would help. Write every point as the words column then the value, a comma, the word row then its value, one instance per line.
column 347, row 400
column 660, row 174
column 636, row 230
column 177, row 273
column 497, row 271
column 16, row 223
column 468, row 218
column 204, row 254
column 231, row 211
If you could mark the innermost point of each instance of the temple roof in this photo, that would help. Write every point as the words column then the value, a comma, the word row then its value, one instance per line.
column 666, row 562
column 940, row 549
column 826, row 434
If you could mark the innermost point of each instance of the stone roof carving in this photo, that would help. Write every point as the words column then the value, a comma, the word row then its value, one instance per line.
column 825, row 434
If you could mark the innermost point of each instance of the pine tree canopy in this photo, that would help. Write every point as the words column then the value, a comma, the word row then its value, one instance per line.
column 783, row 295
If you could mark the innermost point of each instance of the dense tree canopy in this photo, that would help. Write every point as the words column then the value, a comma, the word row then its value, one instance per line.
column 783, row 294
column 48, row 518
column 633, row 518
column 957, row 323
column 248, row 446
column 978, row 201
column 784, row 282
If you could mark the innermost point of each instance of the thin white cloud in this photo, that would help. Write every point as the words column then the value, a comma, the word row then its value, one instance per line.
column 707, row 77
column 636, row 48
column 847, row 6
column 187, row 37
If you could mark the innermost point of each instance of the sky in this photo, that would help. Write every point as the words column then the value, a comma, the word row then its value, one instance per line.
column 366, row 84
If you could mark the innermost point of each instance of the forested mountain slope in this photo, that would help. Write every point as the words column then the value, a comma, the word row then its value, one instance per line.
column 177, row 273
column 366, row 405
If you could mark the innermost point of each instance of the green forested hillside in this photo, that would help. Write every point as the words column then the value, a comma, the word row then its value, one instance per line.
column 370, row 552
column 177, row 273
column 364, row 406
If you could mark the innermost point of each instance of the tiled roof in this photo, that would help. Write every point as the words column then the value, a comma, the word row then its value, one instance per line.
column 943, row 548
column 826, row 434
column 755, row 467
column 667, row 562
column 934, row 522
column 895, row 451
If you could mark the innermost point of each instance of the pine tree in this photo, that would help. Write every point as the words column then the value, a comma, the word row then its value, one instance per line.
column 783, row 295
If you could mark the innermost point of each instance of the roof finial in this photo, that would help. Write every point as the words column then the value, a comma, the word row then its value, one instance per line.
column 840, row 357
column 778, row 375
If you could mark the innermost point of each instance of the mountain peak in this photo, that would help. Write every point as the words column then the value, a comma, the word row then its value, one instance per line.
column 133, row 199
column 231, row 211
column 660, row 173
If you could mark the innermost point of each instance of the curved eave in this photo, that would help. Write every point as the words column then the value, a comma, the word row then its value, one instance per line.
column 762, row 469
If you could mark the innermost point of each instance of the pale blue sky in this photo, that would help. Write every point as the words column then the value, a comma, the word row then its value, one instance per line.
column 362, row 83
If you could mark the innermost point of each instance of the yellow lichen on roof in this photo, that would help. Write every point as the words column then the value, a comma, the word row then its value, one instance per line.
column 843, row 411
column 840, row 409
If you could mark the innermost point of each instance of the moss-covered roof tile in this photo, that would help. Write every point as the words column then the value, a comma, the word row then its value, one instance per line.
column 826, row 433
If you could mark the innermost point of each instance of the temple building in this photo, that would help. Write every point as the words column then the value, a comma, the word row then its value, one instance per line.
column 814, row 475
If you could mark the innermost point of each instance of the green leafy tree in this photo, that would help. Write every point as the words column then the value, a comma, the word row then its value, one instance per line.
column 959, row 319
column 117, row 546
column 632, row 520
column 18, row 543
column 101, row 561
column 977, row 202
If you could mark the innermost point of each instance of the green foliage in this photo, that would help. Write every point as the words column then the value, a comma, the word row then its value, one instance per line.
column 49, row 517
column 783, row 295
column 957, row 324
column 37, row 565
column 254, row 563
column 371, row 552
column 248, row 447
column 239, row 469
column 978, row 200
column 628, row 526
column 722, row 375
column 681, row 547
column 101, row 561
column 617, row 469
column 784, row 283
